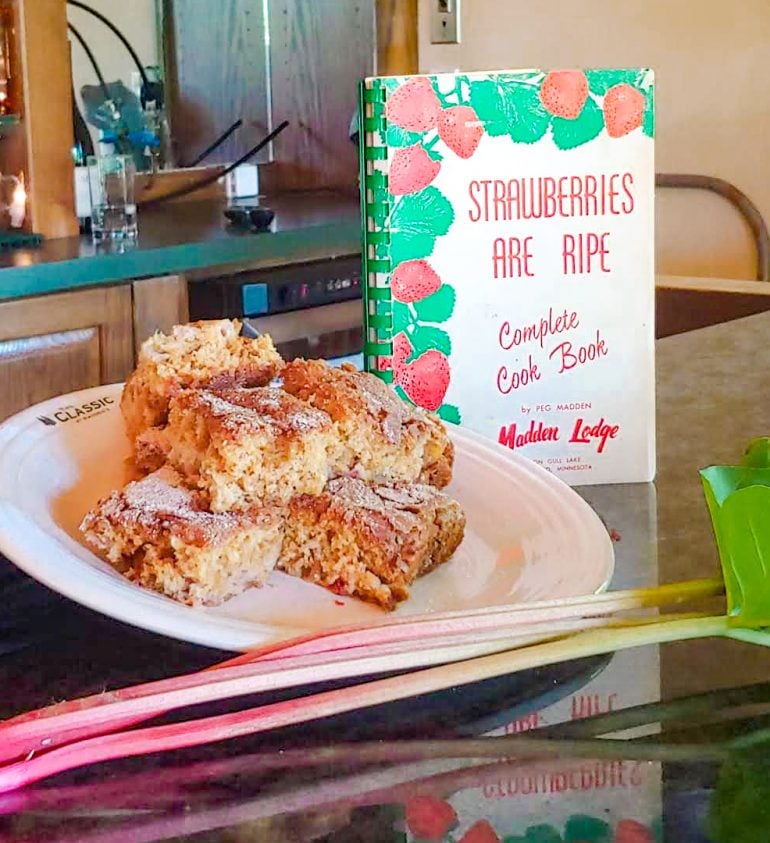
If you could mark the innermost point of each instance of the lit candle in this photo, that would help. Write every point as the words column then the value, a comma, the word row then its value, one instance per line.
column 18, row 207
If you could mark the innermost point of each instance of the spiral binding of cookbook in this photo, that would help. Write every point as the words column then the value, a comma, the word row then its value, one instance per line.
column 375, row 210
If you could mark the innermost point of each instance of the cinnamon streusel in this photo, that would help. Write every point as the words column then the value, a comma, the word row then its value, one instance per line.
column 160, row 535
column 381, row 438
column 370, row 541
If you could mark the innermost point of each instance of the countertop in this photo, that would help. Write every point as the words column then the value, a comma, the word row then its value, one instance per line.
column 187, row 237
column 426, row 760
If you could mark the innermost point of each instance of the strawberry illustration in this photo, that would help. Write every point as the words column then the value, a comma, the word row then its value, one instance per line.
column 623, row 110
column 411, row 169
column 564, row 93
column 460, row 129
column 429, row 818
column 414, row 105
column 631, row 831
column 402, row 350
column 426, row 379
column 480, row 832
column 413, row 281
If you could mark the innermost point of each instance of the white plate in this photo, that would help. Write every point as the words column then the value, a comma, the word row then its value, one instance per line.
column 529, row 536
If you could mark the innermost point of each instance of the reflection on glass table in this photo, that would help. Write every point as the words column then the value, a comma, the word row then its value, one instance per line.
column 653, row 744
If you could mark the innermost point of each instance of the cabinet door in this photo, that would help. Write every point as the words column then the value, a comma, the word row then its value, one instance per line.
column 63, row 342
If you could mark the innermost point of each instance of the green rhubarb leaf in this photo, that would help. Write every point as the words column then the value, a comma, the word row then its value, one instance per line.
column 567, row 134
column 510, row 106
column 425, row 337
column 739, row 808
column 450, row 413
column 600, row 81
column 415, row 223
column 396, row 136
column 757, row 453
column 437, row 307
column 738, row 499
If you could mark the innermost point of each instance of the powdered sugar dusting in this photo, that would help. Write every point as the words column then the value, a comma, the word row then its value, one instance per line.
column 262, row 409
column 161, row 491
column 161, row 502
column 354, row 492
column 346, row 391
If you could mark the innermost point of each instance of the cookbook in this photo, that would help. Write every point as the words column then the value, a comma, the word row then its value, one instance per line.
column 508, row 242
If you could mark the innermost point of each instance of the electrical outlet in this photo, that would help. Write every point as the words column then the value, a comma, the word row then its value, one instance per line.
column 445, row 22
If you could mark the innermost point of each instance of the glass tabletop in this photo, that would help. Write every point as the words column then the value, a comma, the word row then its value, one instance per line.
column 663, row 743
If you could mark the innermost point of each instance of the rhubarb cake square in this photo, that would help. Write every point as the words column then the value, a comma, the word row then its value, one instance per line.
column 243, row 447
column 370, row 541
column 200, row 354
column 161, row 536
column 380, row 437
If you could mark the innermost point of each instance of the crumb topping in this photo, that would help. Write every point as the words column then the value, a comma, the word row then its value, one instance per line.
column 160, row 502
column 345, row 393
column 238, row 411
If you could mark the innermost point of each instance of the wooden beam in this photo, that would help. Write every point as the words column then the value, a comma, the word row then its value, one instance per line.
column 47, row 115
column 396, row 37
column 159, row 304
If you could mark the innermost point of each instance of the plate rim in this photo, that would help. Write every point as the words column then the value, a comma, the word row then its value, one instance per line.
column 183, row 622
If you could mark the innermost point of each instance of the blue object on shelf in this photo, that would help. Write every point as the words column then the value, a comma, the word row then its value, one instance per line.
column 254, row 299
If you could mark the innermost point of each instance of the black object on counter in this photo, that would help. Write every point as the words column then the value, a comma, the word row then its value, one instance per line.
column 250, row 217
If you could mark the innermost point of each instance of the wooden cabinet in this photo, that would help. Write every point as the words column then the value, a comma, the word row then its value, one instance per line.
column 158, row 305
column 63, row 342
column 54, row 344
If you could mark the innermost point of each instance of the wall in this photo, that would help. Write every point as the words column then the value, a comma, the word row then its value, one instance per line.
column 136, row 20
column 713, row 97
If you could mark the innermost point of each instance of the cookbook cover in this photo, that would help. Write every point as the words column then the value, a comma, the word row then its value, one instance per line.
column 509, row 259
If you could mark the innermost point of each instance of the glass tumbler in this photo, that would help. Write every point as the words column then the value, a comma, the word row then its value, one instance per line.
column 113, row 207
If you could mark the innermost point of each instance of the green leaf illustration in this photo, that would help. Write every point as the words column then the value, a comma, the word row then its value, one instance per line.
column 415, row 223
column 600, row 81
column 581, row 828
column 567, row 134
column 390, row 84
column 402, row 317
column 509, row 106
column 396, row 136
column 450, row 413
column 424, row 337
column 648, row 124
column 542, row 834
column 437, row 307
